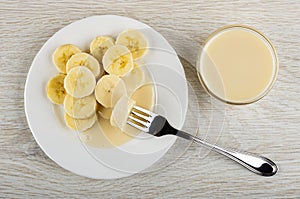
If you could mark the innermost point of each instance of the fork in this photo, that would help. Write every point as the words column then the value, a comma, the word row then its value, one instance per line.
column 158, row 125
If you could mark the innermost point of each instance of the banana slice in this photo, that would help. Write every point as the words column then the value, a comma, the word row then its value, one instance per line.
column 135, row 65
column 80, row 82
column 121, row 112
column 134, row 80
column 109, row 89
column 84, row 59
column 80, row 108
column 99, row 46
column 105, row 113
column 80, row 124
column 117, row 60
column 135, row 42
column 62, row 54
column 55, row 89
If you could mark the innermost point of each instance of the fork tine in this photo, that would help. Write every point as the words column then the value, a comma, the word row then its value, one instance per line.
column 144, row 111
column 141, row 118
column 137, row 126
column 140, row 115
column 146, row 124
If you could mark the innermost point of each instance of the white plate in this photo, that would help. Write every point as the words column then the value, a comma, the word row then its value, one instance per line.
column 63, row 145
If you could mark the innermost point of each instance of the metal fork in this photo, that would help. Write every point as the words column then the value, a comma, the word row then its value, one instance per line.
column 157, row 125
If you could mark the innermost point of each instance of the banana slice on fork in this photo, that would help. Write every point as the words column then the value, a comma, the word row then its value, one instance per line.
column 121, row 112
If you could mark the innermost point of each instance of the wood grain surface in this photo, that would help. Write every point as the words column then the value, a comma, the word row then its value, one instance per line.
column 270, row 126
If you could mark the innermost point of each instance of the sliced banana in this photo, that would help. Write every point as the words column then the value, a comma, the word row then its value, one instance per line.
column 80, row 82
column 80, row 124
column 135, row 65
column 84, row 59
column 55, row 89
column 62, row 54
column 135, row 42
column 80, row 108
column 134, row 80
column 121, row 112
column 109, row 89
column 118, row 60
column 105, row 113
column 99, row 46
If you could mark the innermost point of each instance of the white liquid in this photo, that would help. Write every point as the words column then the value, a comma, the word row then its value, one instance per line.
column 238, row 65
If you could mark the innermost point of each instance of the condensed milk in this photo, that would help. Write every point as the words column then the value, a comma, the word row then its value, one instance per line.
column 237, row 65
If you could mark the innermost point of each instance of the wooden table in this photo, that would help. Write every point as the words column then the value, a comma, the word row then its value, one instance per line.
column 270, row 126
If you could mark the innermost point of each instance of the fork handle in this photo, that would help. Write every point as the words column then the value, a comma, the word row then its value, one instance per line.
column 254, row 162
